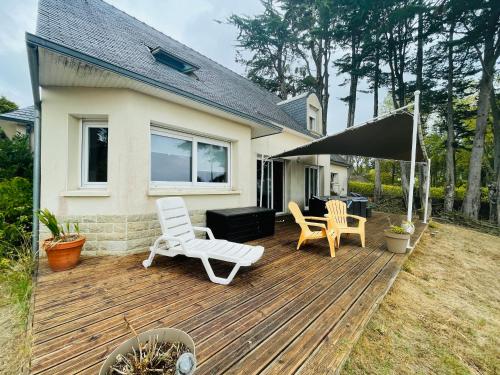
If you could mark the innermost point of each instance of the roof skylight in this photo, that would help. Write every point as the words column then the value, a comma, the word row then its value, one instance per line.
column 173, row 61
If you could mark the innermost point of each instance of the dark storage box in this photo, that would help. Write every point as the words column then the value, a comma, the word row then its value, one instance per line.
column 241, row 224
column 356, row 205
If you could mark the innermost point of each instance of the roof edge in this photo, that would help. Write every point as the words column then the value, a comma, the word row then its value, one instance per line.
column 12, row 119
column 294, row 98
column 37, row 41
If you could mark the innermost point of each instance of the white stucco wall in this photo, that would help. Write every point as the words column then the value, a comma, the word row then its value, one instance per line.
column 295, row 166
column 129, row 115
column 121, row 218
column 12, row 128
column 342, row 178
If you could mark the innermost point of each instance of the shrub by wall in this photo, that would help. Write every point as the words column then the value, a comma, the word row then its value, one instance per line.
column 436, row 192
column 15, row 212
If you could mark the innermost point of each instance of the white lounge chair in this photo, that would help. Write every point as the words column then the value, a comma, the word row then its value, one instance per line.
column 178, row 239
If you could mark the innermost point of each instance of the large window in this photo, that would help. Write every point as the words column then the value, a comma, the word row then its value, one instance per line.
column 94, row 154
column 187, row 160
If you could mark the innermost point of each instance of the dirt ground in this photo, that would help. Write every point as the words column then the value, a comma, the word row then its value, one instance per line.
column 442, row 315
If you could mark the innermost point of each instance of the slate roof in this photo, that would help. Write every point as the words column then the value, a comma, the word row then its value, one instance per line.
column 297, row 108
column 98, row 29
column 25, row 115
column 340, row 160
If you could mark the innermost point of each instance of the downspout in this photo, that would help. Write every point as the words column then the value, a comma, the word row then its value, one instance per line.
column 35, row 87
column 36, row 180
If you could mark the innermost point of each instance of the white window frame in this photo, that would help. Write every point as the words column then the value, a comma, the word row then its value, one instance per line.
column 194, row 139
column 270, row 185
column 84, row 155
column 313, row 115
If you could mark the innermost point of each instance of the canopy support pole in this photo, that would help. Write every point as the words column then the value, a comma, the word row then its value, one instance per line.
column 427, row 188
column 416, row 115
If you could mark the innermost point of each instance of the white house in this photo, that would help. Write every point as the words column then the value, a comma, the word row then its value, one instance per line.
column 18, row 122
column 128, row 115
column 339, row 175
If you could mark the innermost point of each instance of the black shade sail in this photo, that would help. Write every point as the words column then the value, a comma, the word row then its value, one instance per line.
column 388, row 137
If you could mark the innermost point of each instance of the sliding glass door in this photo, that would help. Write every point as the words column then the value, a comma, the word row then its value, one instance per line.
column 311, row 184
column 273, row 187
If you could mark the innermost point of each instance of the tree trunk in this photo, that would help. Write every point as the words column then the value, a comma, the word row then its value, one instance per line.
column 353, row 88
column 352, row 99
column 404, row 181
column 449, row 192
column 422, row 169
column 495, row 110
column 326, row 94
column 472, row 198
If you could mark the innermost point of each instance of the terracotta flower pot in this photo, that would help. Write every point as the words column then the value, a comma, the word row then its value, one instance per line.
column 396, row 243
column 63, row 255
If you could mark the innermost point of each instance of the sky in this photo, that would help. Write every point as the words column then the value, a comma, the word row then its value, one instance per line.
column 192, row 22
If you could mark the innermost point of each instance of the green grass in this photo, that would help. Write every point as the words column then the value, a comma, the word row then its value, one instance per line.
column 16, row 279
column 16, row 272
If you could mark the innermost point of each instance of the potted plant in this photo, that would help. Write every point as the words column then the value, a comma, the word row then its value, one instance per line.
column 160, row 350
column 408, row 227
column 64, row 247
column 397, row 237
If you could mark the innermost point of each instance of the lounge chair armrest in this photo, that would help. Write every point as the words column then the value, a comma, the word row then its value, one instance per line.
column 359, row 218
column 173, row 239
column 316, row 218
column 310, row 223
column 206, row 230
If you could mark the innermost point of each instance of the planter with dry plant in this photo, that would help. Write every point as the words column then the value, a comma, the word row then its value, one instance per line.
column 166, row 351
column 64, row 247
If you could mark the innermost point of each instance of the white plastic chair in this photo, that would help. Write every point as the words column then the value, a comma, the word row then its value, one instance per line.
column 178, row 239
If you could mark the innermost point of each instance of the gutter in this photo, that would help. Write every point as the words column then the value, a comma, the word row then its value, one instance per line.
column 36, row 41
column 17, row 120
column 35, row 87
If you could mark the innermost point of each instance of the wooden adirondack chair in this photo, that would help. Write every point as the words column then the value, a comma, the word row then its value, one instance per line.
column 337, row 214
column 308, row 234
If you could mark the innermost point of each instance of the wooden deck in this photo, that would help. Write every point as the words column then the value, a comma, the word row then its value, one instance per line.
column 294, row 311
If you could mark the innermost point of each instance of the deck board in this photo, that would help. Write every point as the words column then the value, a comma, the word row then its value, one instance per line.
column 294, row 311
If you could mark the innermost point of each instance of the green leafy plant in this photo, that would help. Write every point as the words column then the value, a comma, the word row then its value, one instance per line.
column 15, row 213
column 397, row 229
column 59, row 234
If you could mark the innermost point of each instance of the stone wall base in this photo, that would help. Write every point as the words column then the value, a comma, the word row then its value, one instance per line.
column 119, row 234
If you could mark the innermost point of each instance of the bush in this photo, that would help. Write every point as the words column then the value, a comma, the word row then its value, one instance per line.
column 15, row 213
column 367, row 188
column 437, row 192
column 16, row 159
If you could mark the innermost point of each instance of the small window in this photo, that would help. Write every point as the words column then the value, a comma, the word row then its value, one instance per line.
column 94, row 154
column 312, row 123
column 188, row 160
